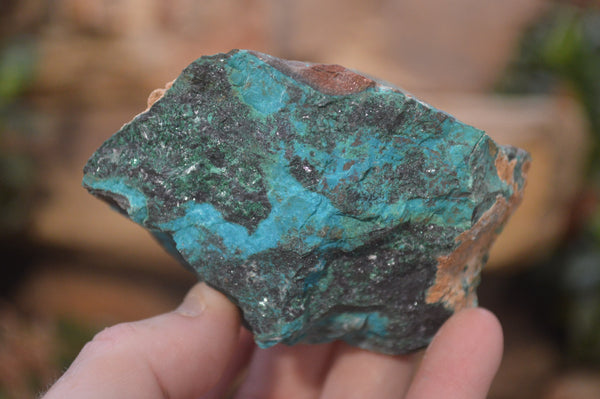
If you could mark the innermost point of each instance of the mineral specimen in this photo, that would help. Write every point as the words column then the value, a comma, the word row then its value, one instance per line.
column 326, row 205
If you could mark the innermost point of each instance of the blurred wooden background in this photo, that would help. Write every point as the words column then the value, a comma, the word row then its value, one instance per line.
column 97, row 60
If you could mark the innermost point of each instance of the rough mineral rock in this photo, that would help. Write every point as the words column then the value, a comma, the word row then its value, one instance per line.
column 323, row 203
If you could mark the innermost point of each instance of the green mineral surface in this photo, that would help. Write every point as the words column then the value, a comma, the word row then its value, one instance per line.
column 326, row 205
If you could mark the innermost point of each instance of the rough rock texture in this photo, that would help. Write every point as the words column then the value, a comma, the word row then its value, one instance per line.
column 325, row 204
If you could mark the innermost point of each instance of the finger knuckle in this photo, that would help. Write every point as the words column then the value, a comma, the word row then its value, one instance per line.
column 111, row 337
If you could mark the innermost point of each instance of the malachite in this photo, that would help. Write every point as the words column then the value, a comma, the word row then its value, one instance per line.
column 326, row 205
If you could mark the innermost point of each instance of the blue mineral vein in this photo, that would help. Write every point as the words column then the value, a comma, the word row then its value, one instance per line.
column 295, row 210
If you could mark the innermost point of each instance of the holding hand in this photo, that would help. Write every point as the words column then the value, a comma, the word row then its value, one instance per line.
column 198, row 350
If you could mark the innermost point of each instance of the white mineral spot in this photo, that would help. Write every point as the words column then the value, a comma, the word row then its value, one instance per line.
column 190, row 169
column 263, row 302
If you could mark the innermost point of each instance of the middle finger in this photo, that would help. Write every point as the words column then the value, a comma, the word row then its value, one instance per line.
column 358, row 373
column 282, row 371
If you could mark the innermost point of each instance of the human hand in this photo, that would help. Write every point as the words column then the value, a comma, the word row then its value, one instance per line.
column 198, row 350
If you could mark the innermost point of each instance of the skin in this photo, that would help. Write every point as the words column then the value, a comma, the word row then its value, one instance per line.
column 199, row 349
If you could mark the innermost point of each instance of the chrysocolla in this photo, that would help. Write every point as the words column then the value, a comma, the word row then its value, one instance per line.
column 326, row 205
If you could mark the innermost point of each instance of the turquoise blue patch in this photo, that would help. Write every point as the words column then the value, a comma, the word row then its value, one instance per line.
column 259, row 85
column 137, row 209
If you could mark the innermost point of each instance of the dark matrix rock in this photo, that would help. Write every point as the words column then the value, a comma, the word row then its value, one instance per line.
column 326, row 205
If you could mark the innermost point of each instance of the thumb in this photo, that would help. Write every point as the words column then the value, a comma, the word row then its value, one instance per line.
column 180, row 354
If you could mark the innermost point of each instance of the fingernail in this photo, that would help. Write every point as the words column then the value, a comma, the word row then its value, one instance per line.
column 194, row 302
